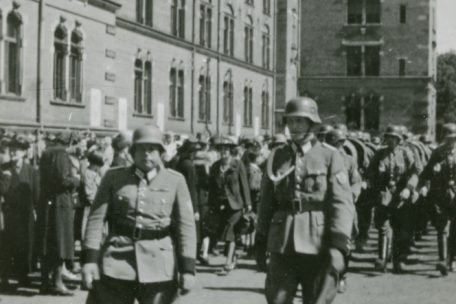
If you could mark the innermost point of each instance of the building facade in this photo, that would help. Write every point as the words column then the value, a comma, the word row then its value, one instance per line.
column 191, row 66
column 370, row 63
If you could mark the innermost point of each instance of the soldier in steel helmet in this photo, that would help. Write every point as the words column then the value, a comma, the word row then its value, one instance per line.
column 393, row 176
column 336, row 138
column 438, row 185
column 305, row 212
column 323, row 132
column 150, row 250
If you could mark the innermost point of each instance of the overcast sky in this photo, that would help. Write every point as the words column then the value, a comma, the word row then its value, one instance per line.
column 446, row 25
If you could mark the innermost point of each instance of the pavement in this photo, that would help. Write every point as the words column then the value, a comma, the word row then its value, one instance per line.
column 422, row 284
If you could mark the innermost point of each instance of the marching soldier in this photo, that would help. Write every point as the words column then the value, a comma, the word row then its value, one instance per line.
column 305, row 212
column 439, row 178
column 393, row 177
column 336, row 138
column 151, row 236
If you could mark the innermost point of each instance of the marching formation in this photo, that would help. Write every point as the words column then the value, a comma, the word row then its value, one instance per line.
column 145, row 209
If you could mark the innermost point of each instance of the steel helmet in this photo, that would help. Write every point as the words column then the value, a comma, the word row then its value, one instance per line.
column 335, row 136
column 394, row 130
column 225, row 141
column 148, row 134
column 303, row 107
column 341, row 126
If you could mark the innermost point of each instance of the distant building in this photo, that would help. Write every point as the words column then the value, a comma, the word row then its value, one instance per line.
column 189, row 66
column 370, row 63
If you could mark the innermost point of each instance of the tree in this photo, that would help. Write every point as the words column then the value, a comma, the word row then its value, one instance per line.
column 446, row 88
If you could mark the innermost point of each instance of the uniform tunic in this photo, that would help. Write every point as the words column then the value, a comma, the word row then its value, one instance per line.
column 128, row 197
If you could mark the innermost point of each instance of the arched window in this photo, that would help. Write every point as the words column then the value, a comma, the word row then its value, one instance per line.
column 228, row 99
column 205, row 23
column 248, row 40
column 76, row 56
column 60, row 54
column 178, row 18
column 353, row 110
column 265, row 107
column 176, row 92
column 204, row 96
column 143, row 87
column 228, row 32
column 266, row 48
column 144, row 11
column 372, row 112
column 248, row 94
column 13, row 48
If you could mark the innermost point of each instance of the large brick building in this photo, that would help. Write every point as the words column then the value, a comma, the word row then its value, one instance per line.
column 370, row 62
column 188, row 66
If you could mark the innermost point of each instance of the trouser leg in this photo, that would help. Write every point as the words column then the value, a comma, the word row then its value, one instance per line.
column 281, row 279
column 157, row 293
column 112, row 291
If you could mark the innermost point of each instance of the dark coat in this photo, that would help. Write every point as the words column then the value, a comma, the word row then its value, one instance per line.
column 233, row 183
column 20, row 192
column 186, row 167
column 56, row 205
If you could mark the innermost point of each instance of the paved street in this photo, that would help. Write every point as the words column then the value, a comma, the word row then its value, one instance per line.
column 245, row 285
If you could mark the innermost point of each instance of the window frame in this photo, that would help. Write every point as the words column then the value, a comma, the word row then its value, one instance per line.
column 248, row 40
column 228, row 99
column 60, row 63
column 13, row 50
column 248, row 106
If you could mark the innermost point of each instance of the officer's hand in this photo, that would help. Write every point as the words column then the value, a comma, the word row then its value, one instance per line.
column 363, row 185
column 6, row 173
column 197, row 216
column 248, row 208
column 90, row 273
column 424, row 191
column 187, row 283
column 405, row 194
column 336, row 259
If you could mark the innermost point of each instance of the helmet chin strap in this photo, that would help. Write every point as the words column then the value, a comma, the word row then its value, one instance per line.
column 308, row 136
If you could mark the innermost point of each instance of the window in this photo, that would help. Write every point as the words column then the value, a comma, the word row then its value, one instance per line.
column 144, row 9
column 143, row 87
column 176, row 93
column 355, row 11
column 371, row 112
column 363, row 60
column 205, row 24
column 204, row 94
column 76, row 52
column 60, row 54
column 363, row 11
column 402, row 63
column 248, row 92
column 13, row 48
column 266, row 49
column 354, row 59
column 228, row 33
column 248, row 40
column 353, row 111
column 228, row 102
column 403, row 13
column 373, row 9
column 265, row 109
column 178, row 18
column 267, row 7
column 372, row 60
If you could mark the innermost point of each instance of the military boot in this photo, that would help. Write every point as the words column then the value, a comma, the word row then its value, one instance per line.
column 443, row 254
column 381, row 263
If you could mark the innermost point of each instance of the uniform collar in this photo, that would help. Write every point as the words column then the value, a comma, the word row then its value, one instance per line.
column 146, row 176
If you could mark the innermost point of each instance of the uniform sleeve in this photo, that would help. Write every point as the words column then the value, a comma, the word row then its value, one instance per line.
column 355, row 180
column 192, row 180
column 340, row 212
column 413, row 170
column 5, row 181
column 426, row 175
column 96, row 220
column 265, row 207
column 183, row 223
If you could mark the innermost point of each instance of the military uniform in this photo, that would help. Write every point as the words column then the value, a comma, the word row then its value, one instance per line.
column 151, row 236
column 390, row 172
column 305, row 209
column 440, row 177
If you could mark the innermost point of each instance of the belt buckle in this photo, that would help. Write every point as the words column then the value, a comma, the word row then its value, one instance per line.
column 296, row 205
column 137, row 232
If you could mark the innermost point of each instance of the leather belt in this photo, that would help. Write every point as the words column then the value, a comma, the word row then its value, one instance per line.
column 138, row 233
column 301, row 206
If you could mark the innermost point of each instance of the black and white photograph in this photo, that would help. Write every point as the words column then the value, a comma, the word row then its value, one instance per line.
column 227, row 151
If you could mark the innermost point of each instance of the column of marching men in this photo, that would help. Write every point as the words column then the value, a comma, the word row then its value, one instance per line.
column 399, row 182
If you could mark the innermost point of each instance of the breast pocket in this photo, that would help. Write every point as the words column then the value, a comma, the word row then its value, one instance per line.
column 315, row 181
column 121, row 205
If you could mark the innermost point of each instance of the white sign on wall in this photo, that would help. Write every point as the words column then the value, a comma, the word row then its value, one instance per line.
column 161, row 116
column 256, row 126
column 122, row 115
column 237, row 125
column 95, row 108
